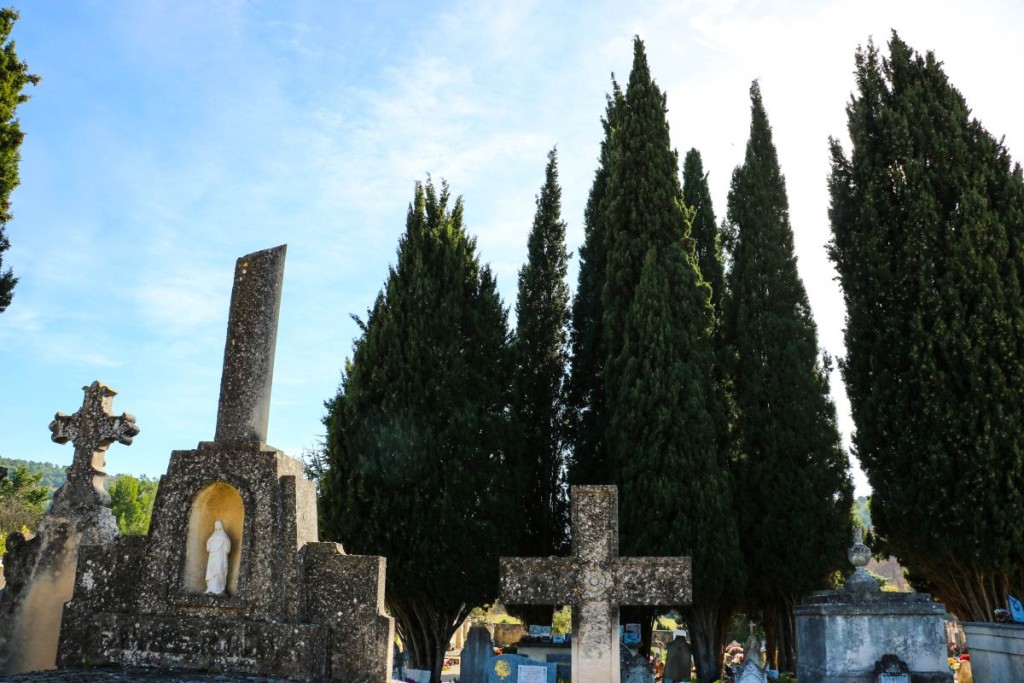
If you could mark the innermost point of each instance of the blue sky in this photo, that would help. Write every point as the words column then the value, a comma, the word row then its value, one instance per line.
column 167, row 138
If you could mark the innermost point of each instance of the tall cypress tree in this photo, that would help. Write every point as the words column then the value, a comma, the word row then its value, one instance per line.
column 928, row 239
column 795, row 489
column 540, row 344
column 676, row 485
column 416, row 435
column 642, row 206
column 656, row 337
column 706, row 237
column 14, row 76
column 584, row 391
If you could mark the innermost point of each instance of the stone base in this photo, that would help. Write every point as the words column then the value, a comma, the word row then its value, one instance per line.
column 840, row 636
column 286, row 650
column 997, row 651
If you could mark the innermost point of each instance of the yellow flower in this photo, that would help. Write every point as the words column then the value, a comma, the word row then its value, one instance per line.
column 502, row 668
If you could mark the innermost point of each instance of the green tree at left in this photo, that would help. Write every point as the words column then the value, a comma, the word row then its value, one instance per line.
column 131, row 501
column 794, row 486
column 14, row 76
column 417, row 435
column 22, row 503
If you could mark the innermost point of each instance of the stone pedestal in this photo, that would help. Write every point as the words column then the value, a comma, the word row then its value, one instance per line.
column 842, row 634
column 293, row 607
column 997, row 651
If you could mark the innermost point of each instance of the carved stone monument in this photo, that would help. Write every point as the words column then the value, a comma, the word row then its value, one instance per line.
column 40, row 571
column 842, row 634
column 595, row 581
column 291, row 606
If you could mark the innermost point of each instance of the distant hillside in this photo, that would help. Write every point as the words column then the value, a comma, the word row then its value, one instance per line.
column 53, row 475
column 862, row 511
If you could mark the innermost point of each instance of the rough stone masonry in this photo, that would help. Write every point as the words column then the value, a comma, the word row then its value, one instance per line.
column 595, row 581
column 293, row 607
column 40, row 570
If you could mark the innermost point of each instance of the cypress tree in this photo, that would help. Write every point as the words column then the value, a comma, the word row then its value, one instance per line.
column 676, row 485
column 706, row 237
column 540, row 344
column 795, row 489
column 642, row 206
column 927, row 216
column 647, row 352
column 416, row 435
column 584, row 391
column 14, row 76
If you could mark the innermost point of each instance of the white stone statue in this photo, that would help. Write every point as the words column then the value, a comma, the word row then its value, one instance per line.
column 218, row 545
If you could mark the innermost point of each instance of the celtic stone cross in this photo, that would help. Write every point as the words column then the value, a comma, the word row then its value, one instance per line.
column 92, row 429
column 595, row 581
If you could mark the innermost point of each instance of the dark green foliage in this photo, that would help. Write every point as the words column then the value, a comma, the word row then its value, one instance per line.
column 542, row 311
column 668, row 429
column 14, row 76
column 668, row 434
column 927, row 217
column 131, row 501
column 585, row 396
column 417, row 434
column 53, row 476
column 795, row 490
column 704, row 229
column 22, row 501
column 642, row 207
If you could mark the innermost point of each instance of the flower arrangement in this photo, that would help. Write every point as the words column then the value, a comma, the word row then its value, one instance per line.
column 1001, row 616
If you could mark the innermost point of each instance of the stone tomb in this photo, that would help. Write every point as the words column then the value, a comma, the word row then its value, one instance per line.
column 595, row 581
column 842, row 634
column 292, row 607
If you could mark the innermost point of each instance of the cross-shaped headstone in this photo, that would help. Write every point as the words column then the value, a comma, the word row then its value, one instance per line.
column 92, row 429
column 244, row 409
column 595, row 581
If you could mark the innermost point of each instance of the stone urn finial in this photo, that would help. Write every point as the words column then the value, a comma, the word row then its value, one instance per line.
column 859, row 555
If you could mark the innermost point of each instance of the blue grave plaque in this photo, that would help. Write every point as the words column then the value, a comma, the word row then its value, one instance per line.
column 1016, row 610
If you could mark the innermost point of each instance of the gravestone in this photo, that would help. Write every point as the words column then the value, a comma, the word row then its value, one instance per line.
column 40, row 571
column 634, row 668
column 292, row 607
column 519, row 669
column 889, row 669
column 563, row 662
column 678, row 660
column 595, row 581
column 475, row 653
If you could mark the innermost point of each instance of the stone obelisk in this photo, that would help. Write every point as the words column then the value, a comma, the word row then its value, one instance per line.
column 244, row 409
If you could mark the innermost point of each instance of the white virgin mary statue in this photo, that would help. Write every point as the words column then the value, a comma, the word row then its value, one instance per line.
column 218, row 545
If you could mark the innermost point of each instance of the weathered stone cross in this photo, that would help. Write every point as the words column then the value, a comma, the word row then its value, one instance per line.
column 243, row 413
column 595, row 581
column 92, row 429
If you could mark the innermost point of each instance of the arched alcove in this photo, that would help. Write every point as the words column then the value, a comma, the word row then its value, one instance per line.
column 218, row 501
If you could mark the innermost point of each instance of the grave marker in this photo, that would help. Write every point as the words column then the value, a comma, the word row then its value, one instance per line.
column 595, row 581
column 291, row 606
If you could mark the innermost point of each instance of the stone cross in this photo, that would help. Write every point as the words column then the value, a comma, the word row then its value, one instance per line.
column 595, row 581
column 92, row 429
column 244, row 409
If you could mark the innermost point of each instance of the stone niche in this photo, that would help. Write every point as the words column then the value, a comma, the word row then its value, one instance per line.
column 217, row 502
column 294, row 607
